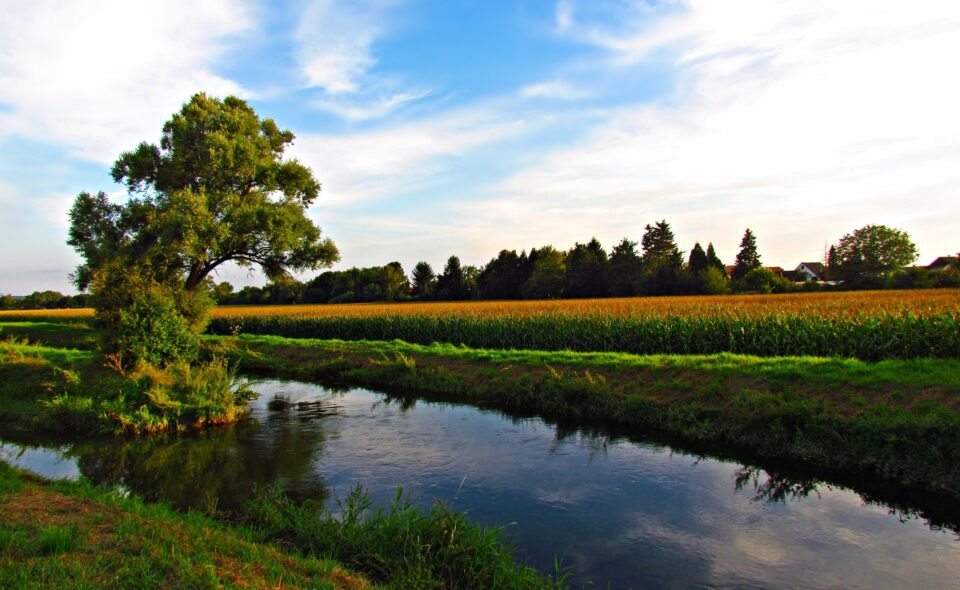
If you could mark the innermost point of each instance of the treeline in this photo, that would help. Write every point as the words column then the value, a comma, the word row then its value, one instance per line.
column 44, row 300
column 873, row 257
column 654, row 266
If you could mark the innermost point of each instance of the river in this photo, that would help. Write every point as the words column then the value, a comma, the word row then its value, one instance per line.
column 618, row 511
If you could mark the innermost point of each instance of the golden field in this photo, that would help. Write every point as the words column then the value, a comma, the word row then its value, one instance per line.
column 917, row 302
column 851, row 303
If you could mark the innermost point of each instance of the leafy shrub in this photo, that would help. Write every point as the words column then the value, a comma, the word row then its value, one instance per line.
column 152, row 330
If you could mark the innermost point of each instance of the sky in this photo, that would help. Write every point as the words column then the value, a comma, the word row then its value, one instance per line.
column 469, row 126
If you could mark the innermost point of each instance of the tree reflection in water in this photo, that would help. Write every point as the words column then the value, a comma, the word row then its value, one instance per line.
column 218, row 469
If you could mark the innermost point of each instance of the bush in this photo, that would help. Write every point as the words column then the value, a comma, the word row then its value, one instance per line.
column 762, row 280
column 152, row 330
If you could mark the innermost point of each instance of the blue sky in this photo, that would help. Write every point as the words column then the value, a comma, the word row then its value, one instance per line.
column 463, row 127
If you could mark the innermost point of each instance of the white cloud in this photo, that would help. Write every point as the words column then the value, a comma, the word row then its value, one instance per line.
column 803, row 121
column 334, row 42
column 101, row 76
column 398, row 159
column 375, row 109
column 334, row 52
column 553, row 90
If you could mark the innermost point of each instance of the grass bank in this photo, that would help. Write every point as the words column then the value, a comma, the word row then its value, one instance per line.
column 55, row 388
column 899, row 419
column 73, row 535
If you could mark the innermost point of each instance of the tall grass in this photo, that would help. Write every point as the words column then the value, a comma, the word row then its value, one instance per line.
column 402, row 546
column 865, row 336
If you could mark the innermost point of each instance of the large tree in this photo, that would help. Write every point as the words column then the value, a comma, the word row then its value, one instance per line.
column 424, row 282
column 663, row 271
column 871, row 252
column 548, row 276
column 502, row 277
column 586, row 270
column 216, row 189
column 625, row 269
column 453, row 282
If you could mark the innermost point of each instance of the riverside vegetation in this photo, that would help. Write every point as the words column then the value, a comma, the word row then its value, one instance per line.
column 72, row 535
column 886, row 403
column 217, row 188
column 898, row 418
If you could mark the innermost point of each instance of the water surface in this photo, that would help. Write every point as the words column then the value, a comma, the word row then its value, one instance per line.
column 623, row 512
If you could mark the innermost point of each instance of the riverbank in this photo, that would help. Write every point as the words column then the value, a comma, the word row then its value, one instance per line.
column 898, row 419
column 61, row 534
column 68, row 389
column 73, row 535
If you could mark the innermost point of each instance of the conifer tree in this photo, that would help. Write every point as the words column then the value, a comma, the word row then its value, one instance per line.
column 748, row 258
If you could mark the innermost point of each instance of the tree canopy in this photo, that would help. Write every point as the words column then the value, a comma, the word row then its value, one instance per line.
column 215, row 189
column 871, row 251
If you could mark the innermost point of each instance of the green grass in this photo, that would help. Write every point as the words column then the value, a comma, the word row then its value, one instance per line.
column 867, row 337
column 67, row 389
column 899, row 418
column 401, row 545
column 68, row 334
column 73, row 535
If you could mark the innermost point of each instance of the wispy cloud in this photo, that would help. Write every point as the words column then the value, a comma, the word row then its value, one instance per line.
column 801, row 120
column 376, row 108
column 335, row 52
column 100, row 76
column 398, row 159
column 553, row 90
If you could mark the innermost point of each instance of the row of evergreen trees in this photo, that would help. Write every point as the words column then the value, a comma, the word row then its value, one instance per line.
column 658, row 267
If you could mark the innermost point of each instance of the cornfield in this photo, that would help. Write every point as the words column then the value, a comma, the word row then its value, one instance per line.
column 841, row 304
column 871, row 325
column 866, row 325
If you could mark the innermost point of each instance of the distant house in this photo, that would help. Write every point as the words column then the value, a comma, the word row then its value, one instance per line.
column 943, row 263
column 810, row 271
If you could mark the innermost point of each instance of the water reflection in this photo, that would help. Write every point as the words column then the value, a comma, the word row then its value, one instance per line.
column 621, row 509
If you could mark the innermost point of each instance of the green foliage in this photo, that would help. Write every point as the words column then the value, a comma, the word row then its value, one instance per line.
column 456, row 282
column 663, row 272
column 747, row 259
column 866, row 255
column 868, row 337
column 424, row 280
column 548, row 277
column 152, row 330
column 60, row 390
column 714, row 260
column 216, row 189
column 713, row 281
column 698, row 261
column 402, row 545
column 54, row 540
column 109, row 540
column 586, row 274
column 503, row 276
column 762, row 280
column 624, row 270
